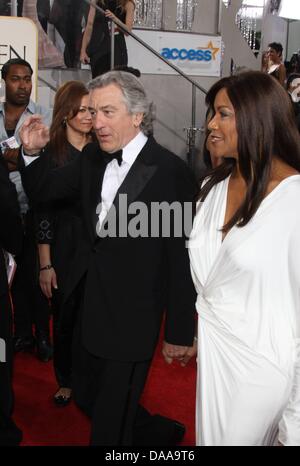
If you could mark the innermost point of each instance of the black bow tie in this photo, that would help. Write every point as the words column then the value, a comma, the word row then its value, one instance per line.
column 116, row 155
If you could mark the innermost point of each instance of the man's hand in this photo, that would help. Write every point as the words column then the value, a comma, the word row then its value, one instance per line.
column 11, row 158
column 11, row 155
column 34, row 135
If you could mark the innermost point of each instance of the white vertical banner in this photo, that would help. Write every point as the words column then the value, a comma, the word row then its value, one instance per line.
column 19, row 39
column 289, row 9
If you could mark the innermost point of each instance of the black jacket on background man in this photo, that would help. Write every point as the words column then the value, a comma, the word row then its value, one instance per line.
column 11, row 235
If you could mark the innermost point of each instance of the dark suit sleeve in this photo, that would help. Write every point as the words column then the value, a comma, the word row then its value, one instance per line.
column 43, row 184
column 181, row 294
column 11, row 232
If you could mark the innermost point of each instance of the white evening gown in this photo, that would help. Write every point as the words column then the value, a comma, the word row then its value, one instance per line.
column 248, row 304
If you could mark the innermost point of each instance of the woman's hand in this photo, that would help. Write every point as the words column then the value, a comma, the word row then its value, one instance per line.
column 109, row 14
column 191, row 352
column 84, row 58
column 48, row 281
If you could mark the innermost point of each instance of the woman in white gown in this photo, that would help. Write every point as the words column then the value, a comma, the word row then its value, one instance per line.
column 245, row 260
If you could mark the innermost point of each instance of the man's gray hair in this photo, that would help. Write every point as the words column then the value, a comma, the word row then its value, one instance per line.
column 135, row 97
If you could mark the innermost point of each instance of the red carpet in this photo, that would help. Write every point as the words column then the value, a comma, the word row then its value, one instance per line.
column 170, row 391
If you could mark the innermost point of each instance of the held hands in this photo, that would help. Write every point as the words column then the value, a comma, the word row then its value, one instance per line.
column 34, row 135
column 182, row 353
column 191, row 352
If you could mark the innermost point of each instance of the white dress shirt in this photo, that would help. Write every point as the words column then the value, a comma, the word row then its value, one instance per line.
column 115, row 174
column 15, row 176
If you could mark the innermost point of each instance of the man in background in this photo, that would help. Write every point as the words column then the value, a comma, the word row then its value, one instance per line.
column 11, row 235
column 30, row 305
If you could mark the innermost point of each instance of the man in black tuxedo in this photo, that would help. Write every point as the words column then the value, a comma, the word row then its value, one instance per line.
column 11, row 236
column 129, row 273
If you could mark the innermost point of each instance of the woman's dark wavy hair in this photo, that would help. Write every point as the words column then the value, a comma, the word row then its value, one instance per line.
column 266, row 128
column 66, row 106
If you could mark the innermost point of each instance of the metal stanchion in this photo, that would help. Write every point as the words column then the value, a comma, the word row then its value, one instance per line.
column 191, row 144
column 191, row 133
column 14, row 8
column 112, row 45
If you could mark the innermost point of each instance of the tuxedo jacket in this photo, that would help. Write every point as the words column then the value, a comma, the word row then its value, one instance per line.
column 11, row 236
column 129, row 282
column 11, row 232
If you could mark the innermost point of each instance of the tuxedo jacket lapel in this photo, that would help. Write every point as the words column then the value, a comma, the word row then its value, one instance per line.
column 94, row 183
column 137, row 178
